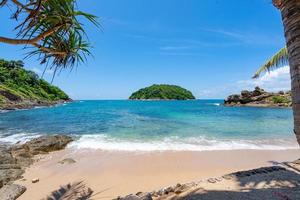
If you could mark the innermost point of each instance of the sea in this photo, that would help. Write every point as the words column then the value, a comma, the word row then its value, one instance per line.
column 145, row 126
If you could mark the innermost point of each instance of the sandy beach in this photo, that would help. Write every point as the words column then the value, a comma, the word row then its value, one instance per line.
column 114, row 174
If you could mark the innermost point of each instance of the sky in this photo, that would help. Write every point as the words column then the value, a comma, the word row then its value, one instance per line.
column 211, row 47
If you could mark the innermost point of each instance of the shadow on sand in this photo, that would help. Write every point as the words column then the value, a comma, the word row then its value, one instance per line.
column 72, row 191
column 280, row 182
column 267, row 183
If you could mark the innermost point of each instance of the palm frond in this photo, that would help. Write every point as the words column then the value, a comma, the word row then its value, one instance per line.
column 53, row 31
column 278, row 60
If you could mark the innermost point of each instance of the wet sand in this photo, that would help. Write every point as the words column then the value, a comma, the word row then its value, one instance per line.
column 116, row 174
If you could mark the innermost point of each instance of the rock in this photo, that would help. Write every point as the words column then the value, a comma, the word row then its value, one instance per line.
column 180, row 188
column 8, row 175
column 259, row 97
column 144, row 196
column 14, row 159
column 169, row 189
column 67, row 161
column 178, row 185
column 258, row 91
column 11, row 192
column 131, row 197
column 35, row 180
column 233, row 98
column 10, row 96
column 245, row 93
column 211, row 180
column 46, row 144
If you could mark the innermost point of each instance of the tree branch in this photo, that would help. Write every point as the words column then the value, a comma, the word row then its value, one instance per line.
column 30, row 41
column 49, row 50
column 21, row 5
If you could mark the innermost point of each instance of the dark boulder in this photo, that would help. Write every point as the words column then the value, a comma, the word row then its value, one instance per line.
column 46, row 144
column 14, row 159
column 11, row 192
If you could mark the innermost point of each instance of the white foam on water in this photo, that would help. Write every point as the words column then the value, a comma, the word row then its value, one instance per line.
column 18, row 138
column 4, row 111
column 214, row 104
column 103, row 142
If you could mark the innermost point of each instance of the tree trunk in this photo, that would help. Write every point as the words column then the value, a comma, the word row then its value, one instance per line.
column 290, row 12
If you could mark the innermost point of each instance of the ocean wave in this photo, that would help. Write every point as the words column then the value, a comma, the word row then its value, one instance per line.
column 214, row 104
column 107, row 143
column 18, row 138
column 4, row 111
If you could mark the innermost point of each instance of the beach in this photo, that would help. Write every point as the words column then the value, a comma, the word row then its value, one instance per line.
column 124, row 147
column 118, row 173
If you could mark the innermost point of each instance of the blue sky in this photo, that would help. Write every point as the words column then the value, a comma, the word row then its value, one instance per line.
column 211, row 47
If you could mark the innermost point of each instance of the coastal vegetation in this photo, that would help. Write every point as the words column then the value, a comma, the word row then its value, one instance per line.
column 162, row 92
column 51, row 30
column 20, row 87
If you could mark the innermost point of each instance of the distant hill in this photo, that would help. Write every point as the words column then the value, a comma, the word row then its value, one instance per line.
column 20, row 88
column 162, row 92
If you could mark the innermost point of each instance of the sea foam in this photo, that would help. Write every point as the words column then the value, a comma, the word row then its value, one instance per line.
column 106, row 143
column 18, row 138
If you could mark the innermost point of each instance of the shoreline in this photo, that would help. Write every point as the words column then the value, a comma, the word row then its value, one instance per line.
column 26, row 105
column 258, row 106
column 120, row 173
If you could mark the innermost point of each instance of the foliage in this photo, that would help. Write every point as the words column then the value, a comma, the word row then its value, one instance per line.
column 280, row 99
column 164, row 92
column 51, row 29
column 278, row 60
column 26, row 85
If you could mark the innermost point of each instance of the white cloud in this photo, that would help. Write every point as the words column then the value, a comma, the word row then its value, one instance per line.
column 275, row 80
column 248, row 37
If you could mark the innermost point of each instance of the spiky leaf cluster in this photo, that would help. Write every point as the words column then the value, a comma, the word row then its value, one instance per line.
column 52, row 31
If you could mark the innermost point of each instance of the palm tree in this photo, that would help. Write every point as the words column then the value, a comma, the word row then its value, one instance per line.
column 290, row 13
column 278, row 60
column 51, row 30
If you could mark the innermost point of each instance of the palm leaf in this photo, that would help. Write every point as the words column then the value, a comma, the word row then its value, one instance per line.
column 278, row 60
column 65, row 43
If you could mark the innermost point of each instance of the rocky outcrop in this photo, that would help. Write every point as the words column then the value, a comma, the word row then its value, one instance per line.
column 260, row 98
column 11, row 192
column 14, row 159
column 29, row 104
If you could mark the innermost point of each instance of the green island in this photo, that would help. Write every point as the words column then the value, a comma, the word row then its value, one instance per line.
column 20, row 88
column 162, row 92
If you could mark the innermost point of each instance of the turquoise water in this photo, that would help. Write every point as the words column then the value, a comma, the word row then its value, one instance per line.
column 155, row 125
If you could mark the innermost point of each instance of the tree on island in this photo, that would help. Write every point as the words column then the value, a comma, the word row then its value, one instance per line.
column 51, row 30
column 162, row 92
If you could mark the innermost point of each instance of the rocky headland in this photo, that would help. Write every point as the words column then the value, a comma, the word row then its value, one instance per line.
column 14, row 159
column 260, row 98
column 23, row 89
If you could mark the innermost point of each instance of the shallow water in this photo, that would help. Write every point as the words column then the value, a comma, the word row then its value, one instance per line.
column 155, row 125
